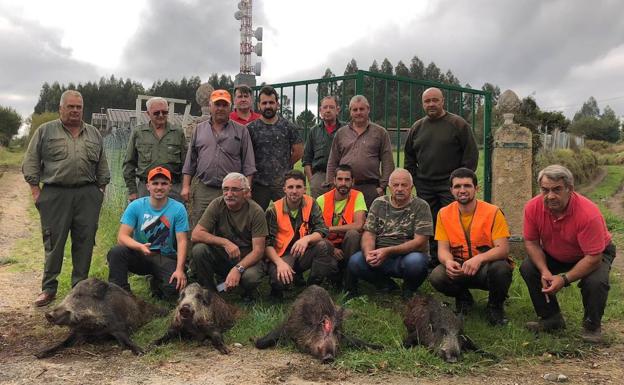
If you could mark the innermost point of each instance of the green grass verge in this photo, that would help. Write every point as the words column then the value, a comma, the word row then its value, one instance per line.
column 11, row 156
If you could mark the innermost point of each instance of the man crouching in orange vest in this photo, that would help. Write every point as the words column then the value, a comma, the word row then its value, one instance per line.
column 344, row 212
column 473, row 249
column 295, row 242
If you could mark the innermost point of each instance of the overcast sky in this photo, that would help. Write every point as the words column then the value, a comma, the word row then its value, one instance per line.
column 560, row 51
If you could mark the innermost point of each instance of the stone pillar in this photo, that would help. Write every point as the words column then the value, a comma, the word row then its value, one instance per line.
column 511, row 170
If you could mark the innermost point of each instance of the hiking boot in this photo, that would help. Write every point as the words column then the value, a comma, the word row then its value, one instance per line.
column 464, row 303
column 44, row 298
column 276, row 294
column 550, row 324
column 387, row 286
column 495, row 315
column 592, row 336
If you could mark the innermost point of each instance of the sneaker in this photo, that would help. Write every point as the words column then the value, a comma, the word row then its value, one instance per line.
column 592, row 336
column 495, row 315
column 464, row 303
column 550, row 324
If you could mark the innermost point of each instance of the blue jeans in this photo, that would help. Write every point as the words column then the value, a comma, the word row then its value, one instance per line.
column 412, row 268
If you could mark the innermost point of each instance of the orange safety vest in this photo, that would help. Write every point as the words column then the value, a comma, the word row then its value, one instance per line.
column 346, row 217
column 285, row 231
column 480, row 230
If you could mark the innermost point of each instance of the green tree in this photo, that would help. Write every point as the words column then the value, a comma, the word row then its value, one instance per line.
column 10, row 122
column 326, row 88
column 589, row 109
column 35, row 120
column 417, row 68
column 306, row 119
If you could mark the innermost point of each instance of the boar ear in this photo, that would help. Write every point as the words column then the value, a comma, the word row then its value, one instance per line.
column 99, row 289
column 207, row 296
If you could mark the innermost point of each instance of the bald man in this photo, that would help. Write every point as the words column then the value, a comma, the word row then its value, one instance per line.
column 436, row 145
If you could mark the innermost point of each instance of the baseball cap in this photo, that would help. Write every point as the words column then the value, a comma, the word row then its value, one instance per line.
column 158, row 171
column 220, row 95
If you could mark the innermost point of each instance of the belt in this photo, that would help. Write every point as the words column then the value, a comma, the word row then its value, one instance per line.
column 366, row 181
column 76, row 185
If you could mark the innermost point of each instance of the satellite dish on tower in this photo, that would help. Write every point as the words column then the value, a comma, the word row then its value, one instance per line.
column 258, row 49
column 258, row 33
column 238, row 15
column 258, row 68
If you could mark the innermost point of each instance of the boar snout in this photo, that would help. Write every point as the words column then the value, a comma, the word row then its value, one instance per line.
column 58, row 317
column 186, row 311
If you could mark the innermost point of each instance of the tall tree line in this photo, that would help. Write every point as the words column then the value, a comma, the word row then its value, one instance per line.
column 121, row 93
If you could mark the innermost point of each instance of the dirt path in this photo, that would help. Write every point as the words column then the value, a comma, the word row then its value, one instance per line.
column 23, row 331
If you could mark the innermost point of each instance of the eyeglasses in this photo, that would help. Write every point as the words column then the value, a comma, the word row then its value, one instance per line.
column 232, row 189
column 158, row 113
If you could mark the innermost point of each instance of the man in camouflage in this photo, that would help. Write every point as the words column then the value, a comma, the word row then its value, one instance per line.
column 151, row 144
column 277, row 147
column 66, row 156
column 395, row 239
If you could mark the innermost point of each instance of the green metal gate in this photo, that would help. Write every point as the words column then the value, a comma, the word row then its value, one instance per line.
column 395, row 104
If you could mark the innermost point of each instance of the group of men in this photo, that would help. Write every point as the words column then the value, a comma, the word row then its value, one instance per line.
column 251, row 216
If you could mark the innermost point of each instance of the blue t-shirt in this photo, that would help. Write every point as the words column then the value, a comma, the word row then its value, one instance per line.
column 157, row 227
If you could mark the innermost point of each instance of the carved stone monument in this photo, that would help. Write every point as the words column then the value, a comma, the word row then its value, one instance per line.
column 202, row 96
column 511, row 169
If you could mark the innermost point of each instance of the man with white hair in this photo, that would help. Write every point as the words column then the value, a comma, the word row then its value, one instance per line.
column 395, row 239
column 155, row 143
column 567, row 240
column 366, row 147
column 229, row 239
column 65, row 166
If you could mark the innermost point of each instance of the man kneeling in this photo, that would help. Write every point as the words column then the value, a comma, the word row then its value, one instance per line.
column 295, row 243
column 395, row 241
column 230, row 239
column 473, row 249
column 565, row 234
column 152, row 239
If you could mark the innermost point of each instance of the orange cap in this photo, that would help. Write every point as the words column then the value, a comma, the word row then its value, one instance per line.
column 158, row 171
column 220, row 95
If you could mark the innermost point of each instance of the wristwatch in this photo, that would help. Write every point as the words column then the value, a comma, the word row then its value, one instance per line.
column 566, row 281
column 240, row 268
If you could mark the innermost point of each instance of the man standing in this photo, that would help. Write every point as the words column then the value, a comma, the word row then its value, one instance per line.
column 295, row 242
column 230, row 239
column 318, row 145
column 66, row 156
column 473, row 249
column 436, row 145
column 365, row 146
column 344, row 213
column 243, row 100
column 567, row 240
column 394, row 242
column 156, row 143
column 218, row 146
column 152, row 239
column 277, row 146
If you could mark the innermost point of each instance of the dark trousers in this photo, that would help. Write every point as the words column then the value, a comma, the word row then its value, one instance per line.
column 64, row 210
column 369, row 190
column 494, row 277
column 437, row 195
column 210, row 260
column 412, row 268
column 123, row 260
column 317, row 258
column 349, row 246
column 594, row 286
column 316, row 184
column 263, row 195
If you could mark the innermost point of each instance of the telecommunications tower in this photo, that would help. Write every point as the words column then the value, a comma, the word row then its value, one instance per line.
column 248, row 72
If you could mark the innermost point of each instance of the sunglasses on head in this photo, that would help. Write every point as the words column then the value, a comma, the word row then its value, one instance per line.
column 158, row 113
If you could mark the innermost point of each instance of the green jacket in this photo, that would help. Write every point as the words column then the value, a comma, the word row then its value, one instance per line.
column 145, row 151
column 318, row 145
column 54, row 156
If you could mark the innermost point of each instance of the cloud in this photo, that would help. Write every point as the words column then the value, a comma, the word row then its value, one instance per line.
column 184, row 38
column 31, row 55
column 527, row 46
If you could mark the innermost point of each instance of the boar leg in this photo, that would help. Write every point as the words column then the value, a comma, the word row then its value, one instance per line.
column 411, row 340
column 125, row 342
column 355, row 342
column 216, row 338
column 169, row 335
column 270, row 339
column 71, row 339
